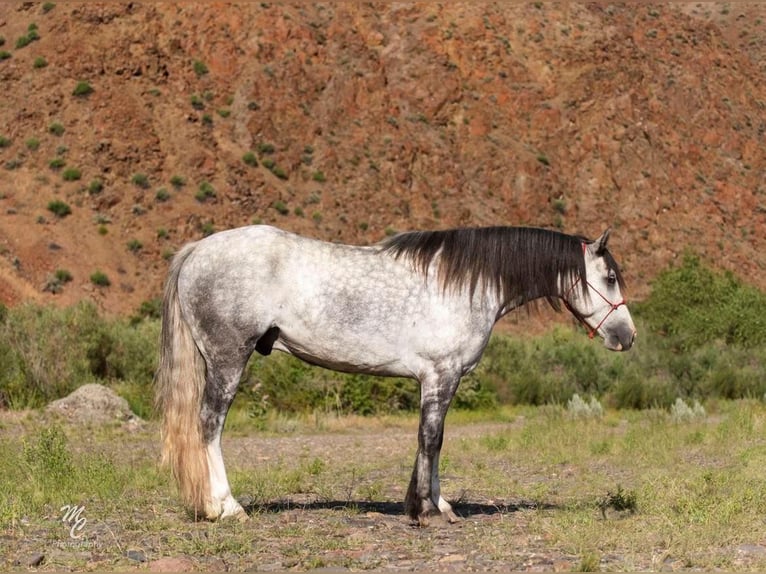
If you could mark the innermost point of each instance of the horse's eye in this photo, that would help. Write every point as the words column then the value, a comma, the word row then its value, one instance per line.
column 611, row 278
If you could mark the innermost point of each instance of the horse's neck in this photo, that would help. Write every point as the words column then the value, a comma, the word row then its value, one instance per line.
column 534, row 294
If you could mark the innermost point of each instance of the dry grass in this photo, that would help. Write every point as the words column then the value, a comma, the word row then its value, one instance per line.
column 537, row 490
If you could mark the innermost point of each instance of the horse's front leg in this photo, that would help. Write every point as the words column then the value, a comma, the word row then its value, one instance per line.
column 424, row 494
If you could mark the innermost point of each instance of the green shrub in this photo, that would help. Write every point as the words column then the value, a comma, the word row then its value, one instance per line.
column 32, row 144
column 63, row 275
column 197, row 102
column 250, row 159
column 59, row 208
column 25, row 40
column 652, row 392
column 691, row 306
column 95, row 187
column 162, row 194
column 48, row 6
column 177, row 181
column 279, row 172
column 318, row 176
column 200, row 68
column 82, row 89
column 33, row 369
column 39, row 62
column 4, row 142
column 100, row 279
column 547, row 369
column 281, row 207
column 149, row 309
column 140, row 180
column 207, row 228
column 285, row 384
column 266, row 148
column 47, row 472
column 735, row 374
column 56, row 129
column 5, row 55
column 134, row 246
column 49, row 457
column 71, row 174
column 57, row 163
column 204, row 192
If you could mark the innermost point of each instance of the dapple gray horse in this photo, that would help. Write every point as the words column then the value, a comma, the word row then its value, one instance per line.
column 419, row 305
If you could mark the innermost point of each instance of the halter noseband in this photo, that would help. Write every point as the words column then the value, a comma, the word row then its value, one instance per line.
column 612, row 306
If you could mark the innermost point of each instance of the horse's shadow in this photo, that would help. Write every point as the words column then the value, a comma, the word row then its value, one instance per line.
column 462, row 509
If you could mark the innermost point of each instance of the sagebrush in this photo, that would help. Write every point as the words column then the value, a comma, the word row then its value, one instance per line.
column 692, row 345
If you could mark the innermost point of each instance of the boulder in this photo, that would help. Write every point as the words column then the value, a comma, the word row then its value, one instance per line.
column 93, row 403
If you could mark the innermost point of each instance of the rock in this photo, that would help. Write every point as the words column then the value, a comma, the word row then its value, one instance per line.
column 136, row 555
column 34, row 560
column 170, row 564
column 452, row 558
column 755, row 550
column 95, row 404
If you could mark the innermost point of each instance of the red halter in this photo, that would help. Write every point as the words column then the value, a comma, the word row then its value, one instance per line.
column 613, row 306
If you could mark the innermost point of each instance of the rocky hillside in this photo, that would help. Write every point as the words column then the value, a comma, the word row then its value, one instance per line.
column 127, row 129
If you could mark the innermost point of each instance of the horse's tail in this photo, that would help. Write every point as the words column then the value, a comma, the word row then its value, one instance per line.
column 180, row 382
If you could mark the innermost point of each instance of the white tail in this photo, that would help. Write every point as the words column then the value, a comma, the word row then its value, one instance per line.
column 180, row 382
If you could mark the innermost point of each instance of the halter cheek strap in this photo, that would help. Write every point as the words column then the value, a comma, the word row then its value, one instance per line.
column 612, row 306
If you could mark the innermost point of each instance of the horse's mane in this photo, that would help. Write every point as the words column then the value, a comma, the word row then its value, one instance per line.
column 519, row 263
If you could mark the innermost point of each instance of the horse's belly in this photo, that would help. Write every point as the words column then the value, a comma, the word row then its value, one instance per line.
column 340, row 354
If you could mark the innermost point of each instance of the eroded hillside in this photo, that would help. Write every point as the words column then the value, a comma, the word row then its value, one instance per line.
column 347, row 122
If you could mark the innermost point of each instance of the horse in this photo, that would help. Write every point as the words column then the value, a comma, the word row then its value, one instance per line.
column 418, row 304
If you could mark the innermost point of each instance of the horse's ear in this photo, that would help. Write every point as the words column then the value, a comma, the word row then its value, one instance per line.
column 599, row 245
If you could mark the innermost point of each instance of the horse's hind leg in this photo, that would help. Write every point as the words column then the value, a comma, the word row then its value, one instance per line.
column 220, row 388
column 424, row 493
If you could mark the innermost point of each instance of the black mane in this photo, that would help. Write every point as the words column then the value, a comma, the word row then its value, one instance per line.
column 519, row 263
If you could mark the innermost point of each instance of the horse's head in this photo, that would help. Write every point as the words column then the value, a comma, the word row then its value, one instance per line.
column 596, row 299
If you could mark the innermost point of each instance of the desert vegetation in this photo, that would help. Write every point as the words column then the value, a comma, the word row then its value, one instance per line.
column 701, row 338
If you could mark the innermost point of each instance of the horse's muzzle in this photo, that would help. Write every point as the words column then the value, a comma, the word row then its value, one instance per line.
column 621, row 340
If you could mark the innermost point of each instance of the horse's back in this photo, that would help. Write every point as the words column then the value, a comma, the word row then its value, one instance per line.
column 271, row 270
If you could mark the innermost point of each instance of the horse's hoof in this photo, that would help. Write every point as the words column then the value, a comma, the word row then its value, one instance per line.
column 239, row 515
column 451, row 517
column 423, row 521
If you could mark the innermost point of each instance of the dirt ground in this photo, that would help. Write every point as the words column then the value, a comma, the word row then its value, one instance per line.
column 329, row 499
column 346, row 512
